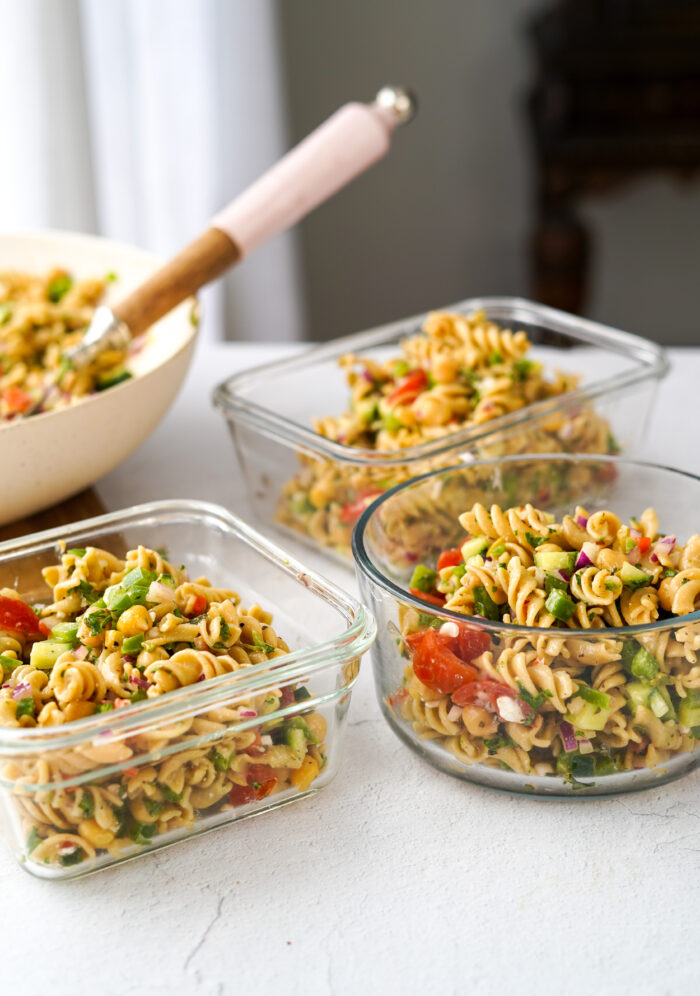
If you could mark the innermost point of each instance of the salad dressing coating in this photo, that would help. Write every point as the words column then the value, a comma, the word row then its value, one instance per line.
column 119, row 632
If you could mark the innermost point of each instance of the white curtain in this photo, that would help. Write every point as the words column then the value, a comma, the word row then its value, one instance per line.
column 138, row 119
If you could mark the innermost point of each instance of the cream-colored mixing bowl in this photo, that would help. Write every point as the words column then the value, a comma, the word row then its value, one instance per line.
column 47, row 457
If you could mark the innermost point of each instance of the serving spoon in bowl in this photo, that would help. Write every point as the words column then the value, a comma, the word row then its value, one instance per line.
column 345, row 145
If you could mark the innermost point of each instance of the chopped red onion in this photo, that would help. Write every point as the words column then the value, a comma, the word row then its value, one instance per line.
column 654, row 559
column 80, row 652
column 585, row 746
column 454, row 714
column 266, row 740
column 581, row 521
column 583, row 560
column 563, row 575
column 366, row 375
column 635, row 533
column 247, row 713
column 20, row 691
column 411, row 557
column 129, row 659
column 568, row 738
column 634, row 556
column 139, row 682
column 665, row 546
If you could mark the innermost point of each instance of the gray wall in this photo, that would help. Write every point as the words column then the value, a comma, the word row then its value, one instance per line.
column 447, row 214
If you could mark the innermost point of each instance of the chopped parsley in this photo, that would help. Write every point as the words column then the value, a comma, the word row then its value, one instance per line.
column 220, row 761
column 492, row 744
column 535, row 702
column 260, row 644
column 87, row 804
column 533, row 540
column 169, row 794
column 153, row 807
column 88, row 592
column 142, row 833
column 97, row 621
column 73, row 857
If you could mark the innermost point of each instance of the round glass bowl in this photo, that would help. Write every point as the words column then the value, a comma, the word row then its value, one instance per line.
column 642, row 739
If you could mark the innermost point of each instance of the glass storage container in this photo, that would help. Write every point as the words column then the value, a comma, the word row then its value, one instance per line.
column 640, row 730
column 157, row 758
column 317, row 487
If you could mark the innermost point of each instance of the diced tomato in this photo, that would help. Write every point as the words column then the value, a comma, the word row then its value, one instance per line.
column 17, row 617
column 46, row 630
column 261, row 780
column 472, row 642
column 198, row 605
column 131, row 772
column 352, row 510
column 435, row 598
column 241, row 795
column 449, row 558
column 436, row 665
column 486, row 691
column 408, row 388
column 643, row 543
column 16, row 399
column 121, row 703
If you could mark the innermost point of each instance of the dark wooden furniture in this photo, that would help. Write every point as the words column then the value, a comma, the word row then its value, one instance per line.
column 616, row 95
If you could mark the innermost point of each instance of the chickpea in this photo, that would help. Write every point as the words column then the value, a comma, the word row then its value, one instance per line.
column 134, row 621
column 317, row 725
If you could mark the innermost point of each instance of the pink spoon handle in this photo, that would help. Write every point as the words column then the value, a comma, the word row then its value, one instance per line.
column 350, row 141
column 345, row 145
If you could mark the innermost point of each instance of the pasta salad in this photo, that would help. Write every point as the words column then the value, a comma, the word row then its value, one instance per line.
column 40, row 318
column 458, row 371
column 120, row 631
column 574, row 701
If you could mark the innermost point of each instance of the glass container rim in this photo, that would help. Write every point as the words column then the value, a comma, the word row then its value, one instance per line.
column 364, row 564
column 650, row 361
column 351, row 642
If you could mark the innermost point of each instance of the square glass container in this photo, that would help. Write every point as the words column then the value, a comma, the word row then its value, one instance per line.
column 317, row 487
column 644, row 730
column 155, row 761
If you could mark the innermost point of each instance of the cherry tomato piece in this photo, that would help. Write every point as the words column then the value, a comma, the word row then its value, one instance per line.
column 352, row 510
column 437, row 666
column 643, row 543
column 261, row 780
column 17, row 617
column 408, row 388
column 241, row 795
column 198, row 605
column 435, row 598
column 486, row 691
column 16, row 399
column 449, row 558
column 472, row 642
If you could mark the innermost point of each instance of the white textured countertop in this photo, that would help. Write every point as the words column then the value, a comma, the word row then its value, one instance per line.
column 396, row 878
